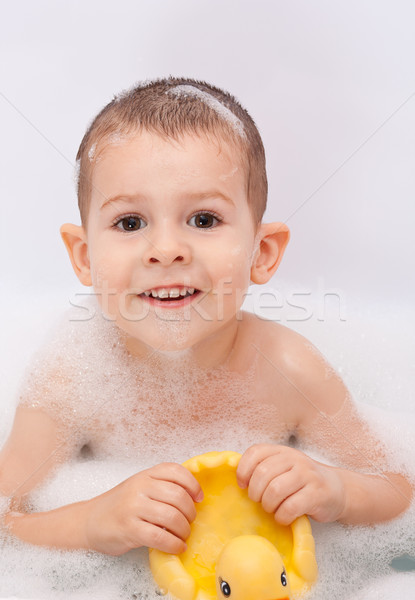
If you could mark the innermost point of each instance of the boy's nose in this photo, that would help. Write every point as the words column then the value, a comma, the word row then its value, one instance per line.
column 167, row 250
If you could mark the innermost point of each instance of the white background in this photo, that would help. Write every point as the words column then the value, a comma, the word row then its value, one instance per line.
column 329, row 83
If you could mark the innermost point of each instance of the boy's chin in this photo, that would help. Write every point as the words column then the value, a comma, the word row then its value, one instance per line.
column 167, row 336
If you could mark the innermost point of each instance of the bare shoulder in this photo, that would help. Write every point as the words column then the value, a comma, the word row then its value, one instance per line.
column 281, row 345
column 290, row 363
column 44, row 433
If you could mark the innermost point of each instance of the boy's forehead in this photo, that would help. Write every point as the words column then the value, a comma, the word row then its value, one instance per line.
column 142, row 141
column 191, row 155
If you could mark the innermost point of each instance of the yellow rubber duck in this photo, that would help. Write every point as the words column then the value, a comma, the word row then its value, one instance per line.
column 235, row 549
column 251, row 568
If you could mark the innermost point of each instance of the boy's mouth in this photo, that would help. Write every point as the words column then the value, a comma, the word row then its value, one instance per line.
column 172, row 296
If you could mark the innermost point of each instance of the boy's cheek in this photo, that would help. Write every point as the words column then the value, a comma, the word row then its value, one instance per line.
column 102, row 282
column 107, row 269
column 233, row 265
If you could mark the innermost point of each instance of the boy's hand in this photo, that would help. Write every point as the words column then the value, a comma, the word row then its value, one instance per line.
column 289, row 484
column 152, row 508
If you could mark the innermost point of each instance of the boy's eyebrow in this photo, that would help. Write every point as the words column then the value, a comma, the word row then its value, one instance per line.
column 119, row 197
column 209, row 195
column 193, row 196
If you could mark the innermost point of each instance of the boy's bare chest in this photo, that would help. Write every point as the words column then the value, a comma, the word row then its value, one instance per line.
column 168, row 420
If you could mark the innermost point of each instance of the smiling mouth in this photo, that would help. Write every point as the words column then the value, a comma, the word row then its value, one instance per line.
column 170, row 295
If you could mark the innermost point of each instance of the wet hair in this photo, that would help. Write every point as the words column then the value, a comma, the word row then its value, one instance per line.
column 171, row 108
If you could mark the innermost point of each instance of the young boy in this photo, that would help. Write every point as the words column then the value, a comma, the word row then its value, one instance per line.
column 172, row 189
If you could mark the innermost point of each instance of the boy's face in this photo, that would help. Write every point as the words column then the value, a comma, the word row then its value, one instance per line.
column 170, row 219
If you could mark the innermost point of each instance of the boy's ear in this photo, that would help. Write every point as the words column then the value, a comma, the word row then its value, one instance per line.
column 74, row 238
column 272, row 240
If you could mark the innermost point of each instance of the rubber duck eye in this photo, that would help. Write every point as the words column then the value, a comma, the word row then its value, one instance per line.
column 225, row 588
column 284, row 578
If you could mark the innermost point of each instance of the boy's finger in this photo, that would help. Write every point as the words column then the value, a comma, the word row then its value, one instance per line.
column 178, row 474
column 150, row 535
column 294, row 506
column 169, row 518
column 269, row 472
column 279, row 489
column 176, row 496
column 251, row 459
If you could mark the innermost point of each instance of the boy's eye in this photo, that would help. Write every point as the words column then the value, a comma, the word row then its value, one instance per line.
column 204, row 220
column 130, row 223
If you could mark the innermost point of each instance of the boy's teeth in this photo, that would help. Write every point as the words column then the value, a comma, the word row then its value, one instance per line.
column 170, row 292
column 163, row 293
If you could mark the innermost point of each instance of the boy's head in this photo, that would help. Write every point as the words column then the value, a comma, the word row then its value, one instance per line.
column 172, row 108
column 172, row 189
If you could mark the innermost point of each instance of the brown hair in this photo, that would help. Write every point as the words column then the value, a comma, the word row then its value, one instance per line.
column 172, row 107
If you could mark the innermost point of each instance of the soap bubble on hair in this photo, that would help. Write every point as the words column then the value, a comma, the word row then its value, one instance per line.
column 222, row 111
column 91, row 152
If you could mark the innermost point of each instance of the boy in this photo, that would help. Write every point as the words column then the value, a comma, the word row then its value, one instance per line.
column 172, row 188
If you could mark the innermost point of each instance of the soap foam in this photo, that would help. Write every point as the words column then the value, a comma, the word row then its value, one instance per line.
column 353, row 561
column 392, row 586
column 155, row 408
column 223, row 111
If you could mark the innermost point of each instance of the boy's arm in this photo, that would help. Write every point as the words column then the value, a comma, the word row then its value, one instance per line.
column 290, row 483
column 373, row 498
column 152, row 508
column 330, row 421
column 34, row 448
